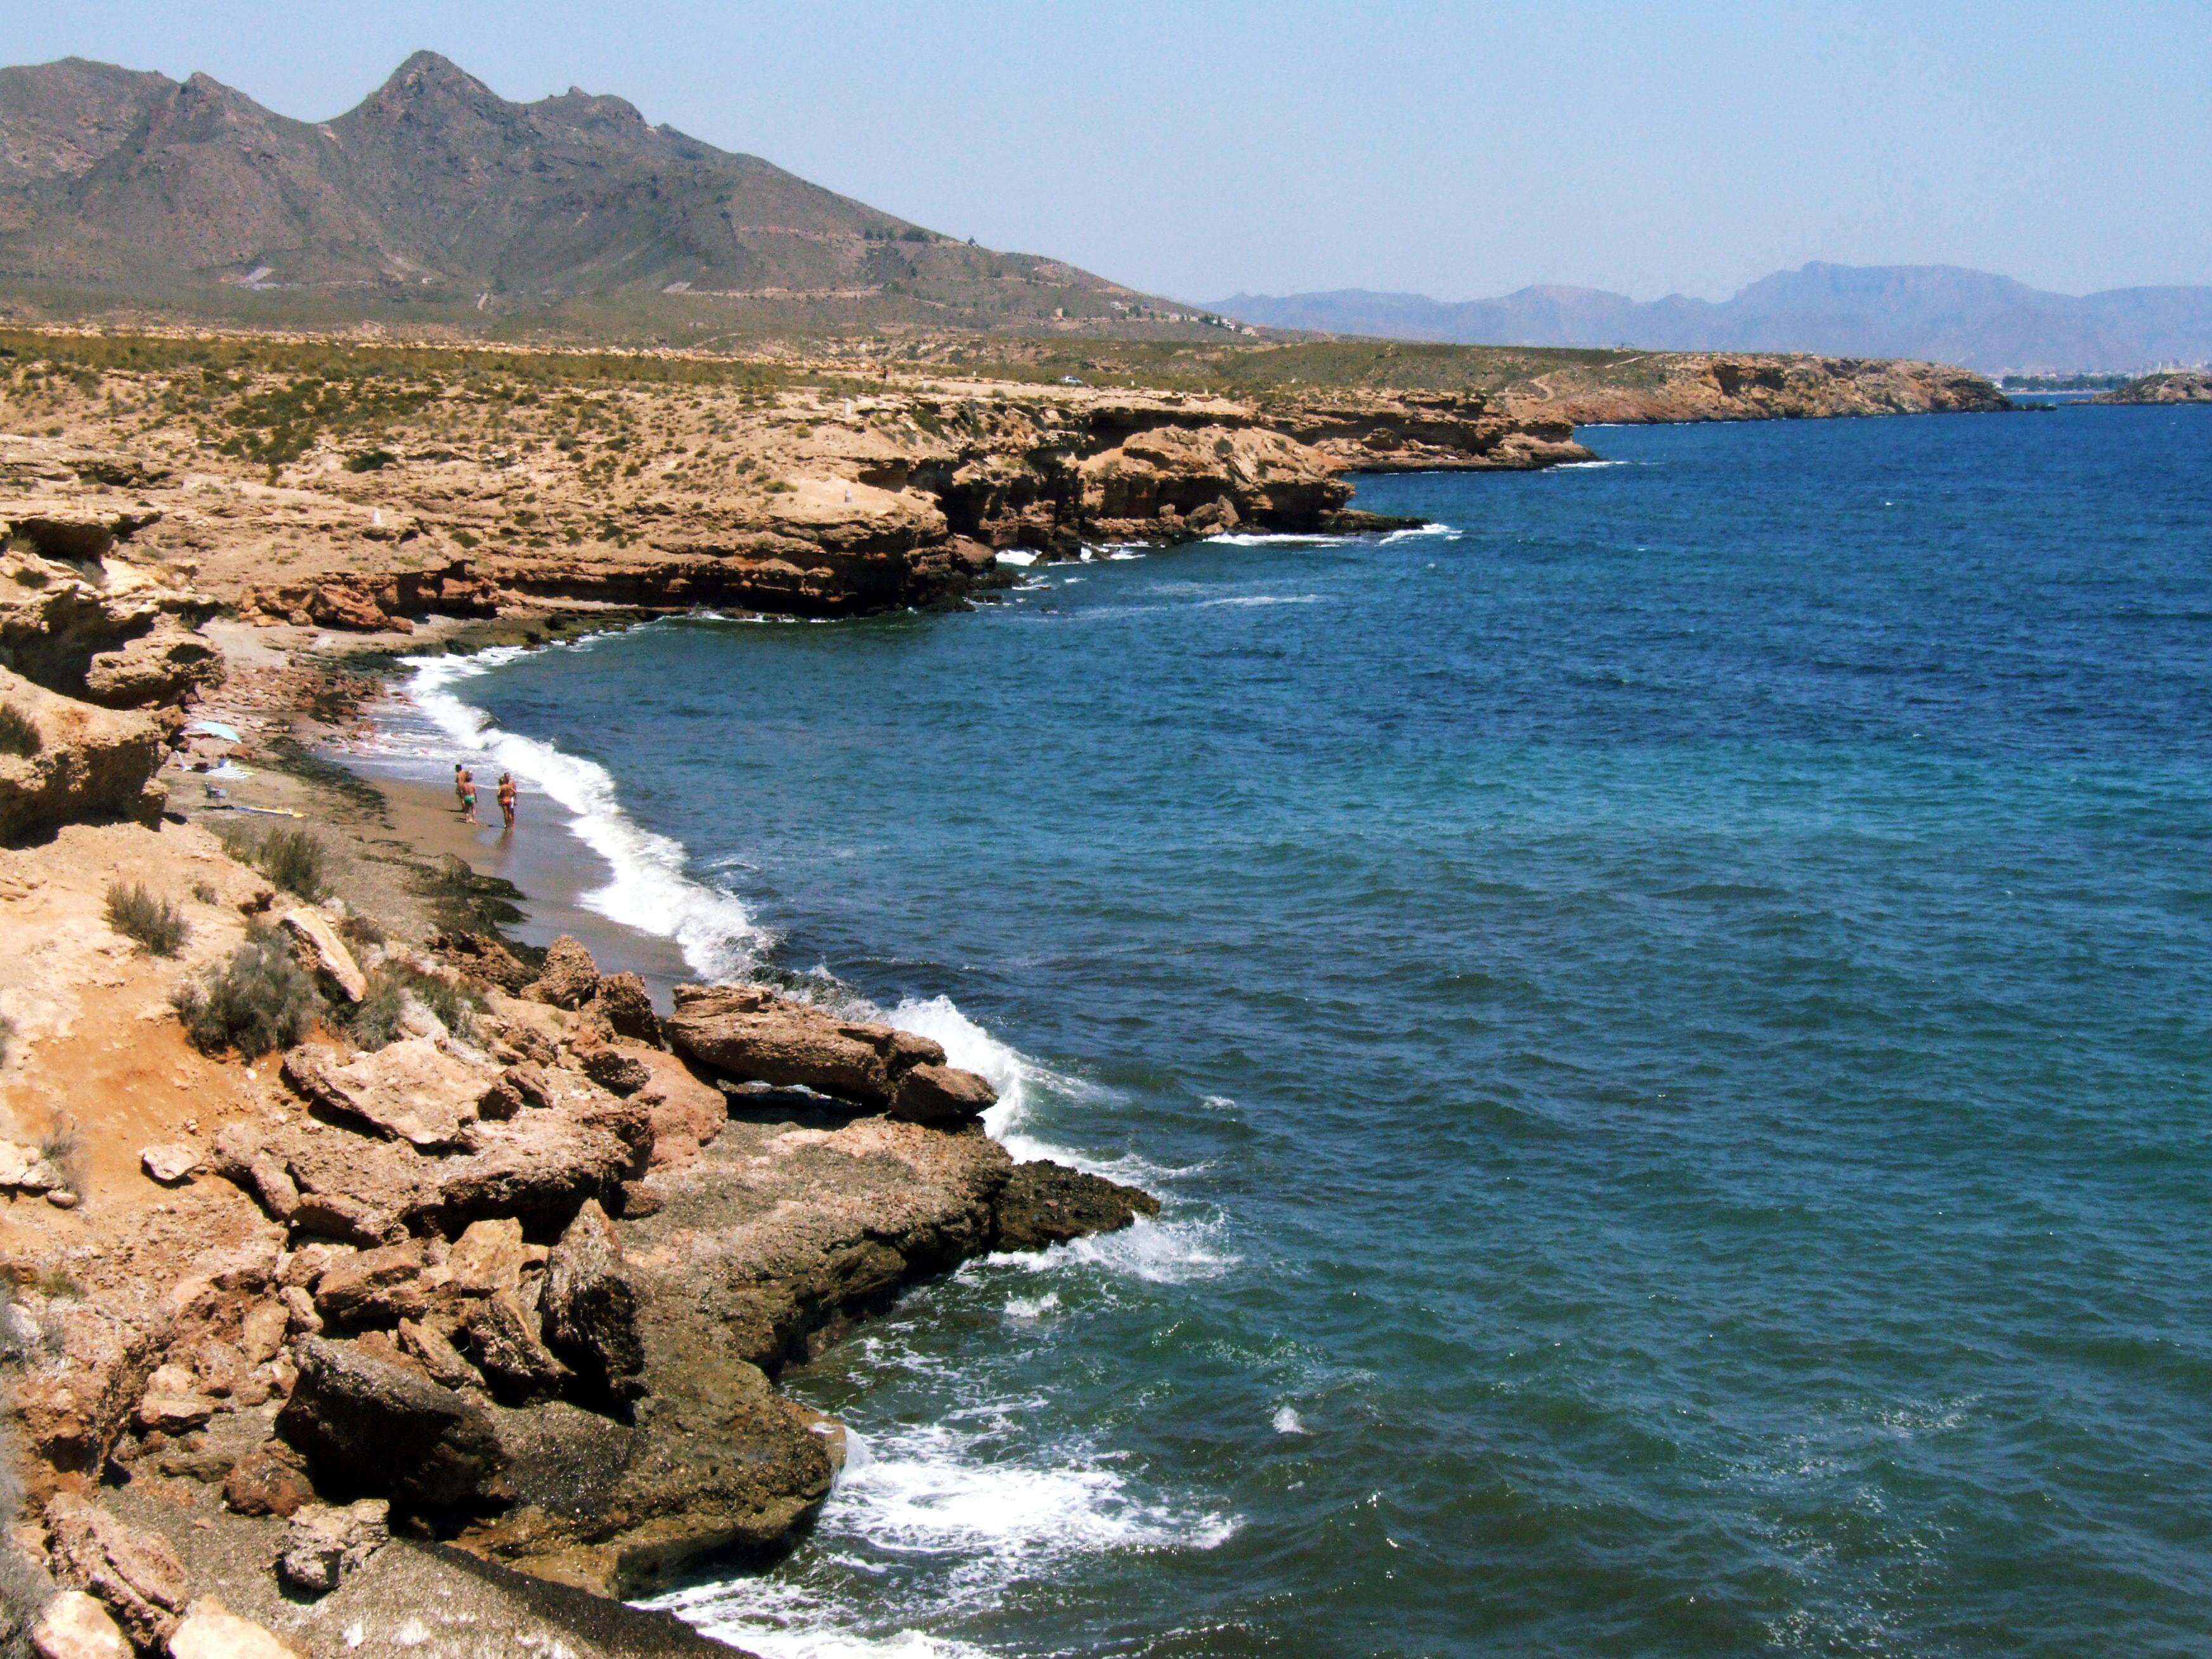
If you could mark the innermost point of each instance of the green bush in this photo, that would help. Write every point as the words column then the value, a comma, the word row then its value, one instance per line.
column 18, row 736
column 293, row 858
column 257, row 1002
column 158, row 925
column 374, row 1021
column 370, row 460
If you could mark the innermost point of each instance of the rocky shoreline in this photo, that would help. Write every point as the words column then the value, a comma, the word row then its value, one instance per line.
column 339, row 486
column 476, row 1292
column 373, row 1279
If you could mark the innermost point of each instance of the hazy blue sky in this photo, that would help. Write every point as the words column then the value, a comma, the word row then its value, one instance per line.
column 1457, row 150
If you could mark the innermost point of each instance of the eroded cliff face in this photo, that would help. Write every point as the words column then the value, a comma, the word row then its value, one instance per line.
column 1423, row 432
column 406, row 489
column 1709, row 385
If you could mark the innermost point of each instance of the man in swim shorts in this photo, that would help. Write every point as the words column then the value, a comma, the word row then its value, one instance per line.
column 467, row 785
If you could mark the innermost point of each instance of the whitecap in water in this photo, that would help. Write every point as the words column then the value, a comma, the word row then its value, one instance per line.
column 650, row 887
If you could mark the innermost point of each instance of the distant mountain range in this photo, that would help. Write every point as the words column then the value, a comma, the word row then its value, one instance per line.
column 1940, row 312
column 436, row 192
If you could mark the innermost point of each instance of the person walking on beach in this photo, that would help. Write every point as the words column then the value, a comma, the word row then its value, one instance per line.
column 467, row 785
column 461, row 785
column 507, row 797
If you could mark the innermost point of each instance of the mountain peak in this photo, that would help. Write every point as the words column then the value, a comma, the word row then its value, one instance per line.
column 427, row 75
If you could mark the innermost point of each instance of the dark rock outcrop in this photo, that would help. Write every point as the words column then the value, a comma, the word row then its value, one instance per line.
column 590, row 1307
column 1044, row 1204
column 369, row 1425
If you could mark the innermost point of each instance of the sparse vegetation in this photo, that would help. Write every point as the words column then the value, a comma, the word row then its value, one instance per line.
column 393, row 989
column 294, row 858
column 7, row 1037
column 57, row 1282
column 63, row 1148
column 156, row 925
column 18, row 735
column 255, row 1001
column 360, row 931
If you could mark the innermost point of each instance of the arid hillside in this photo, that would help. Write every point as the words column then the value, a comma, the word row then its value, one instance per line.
column 436, row 201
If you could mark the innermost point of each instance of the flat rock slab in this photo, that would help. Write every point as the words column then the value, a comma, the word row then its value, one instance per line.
column 412, row 1091
column 409, row 1600
column 781, row 1229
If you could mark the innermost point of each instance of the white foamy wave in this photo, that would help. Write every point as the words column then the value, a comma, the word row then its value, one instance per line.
column 1020, row 557
column 1586, row 466
column 924, row 1491
column 1029, row 1310
column 1019, row 1080
column 1287, row 1421
column 649, row 887
column 1420, row 530
column 970, row 1046
column 778, row 1619
column 926, row 1496
column 1263, row 599
column 1281, row 538
column 1158, row 1252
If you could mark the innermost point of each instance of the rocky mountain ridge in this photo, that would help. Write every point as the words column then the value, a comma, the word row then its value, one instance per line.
column 436, row 196
column 1939, row 313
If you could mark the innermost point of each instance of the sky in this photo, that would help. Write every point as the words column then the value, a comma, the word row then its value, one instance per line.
column 1459, row 150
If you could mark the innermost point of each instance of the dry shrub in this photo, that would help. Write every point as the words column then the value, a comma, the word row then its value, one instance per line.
column 257, row 1002
column 18, row 735
column 157, row 925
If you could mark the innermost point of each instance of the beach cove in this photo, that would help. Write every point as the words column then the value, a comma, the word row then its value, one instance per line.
column 1709, row 688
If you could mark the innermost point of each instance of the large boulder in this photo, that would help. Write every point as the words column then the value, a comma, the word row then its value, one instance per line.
column 326, row 1542
column 323, row 954
column 569, row 978
column 590, row 1306
column 73, row 1625
column 750, row 1034
column 158, row 669
column 71, row 1399
column 687, row 1112
column 211, row 1630
column 117, row 633
column 716, row 1460
column 370, row 1425
column 66, row 762
column 536, row 1168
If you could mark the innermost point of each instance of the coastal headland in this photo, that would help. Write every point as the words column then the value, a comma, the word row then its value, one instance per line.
column 354, row 486
column 368, row 1268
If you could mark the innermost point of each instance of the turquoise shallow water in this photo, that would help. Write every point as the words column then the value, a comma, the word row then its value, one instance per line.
column 1672, row 1019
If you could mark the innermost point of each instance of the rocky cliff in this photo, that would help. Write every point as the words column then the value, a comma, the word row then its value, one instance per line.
column 1702, row 385
column 2181, row 385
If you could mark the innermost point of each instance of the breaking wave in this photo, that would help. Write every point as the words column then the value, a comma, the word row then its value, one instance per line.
column 650, row 886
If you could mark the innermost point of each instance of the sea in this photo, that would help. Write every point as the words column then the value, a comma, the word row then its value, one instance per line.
column 1670, row 1012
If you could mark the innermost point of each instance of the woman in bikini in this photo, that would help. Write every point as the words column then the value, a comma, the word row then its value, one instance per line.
column 507, row 797
column 467, row 785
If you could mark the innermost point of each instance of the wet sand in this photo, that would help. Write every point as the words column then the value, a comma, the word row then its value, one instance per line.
column 554, row 869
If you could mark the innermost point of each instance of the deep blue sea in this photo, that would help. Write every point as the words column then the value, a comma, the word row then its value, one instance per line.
column 1672, row 1015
